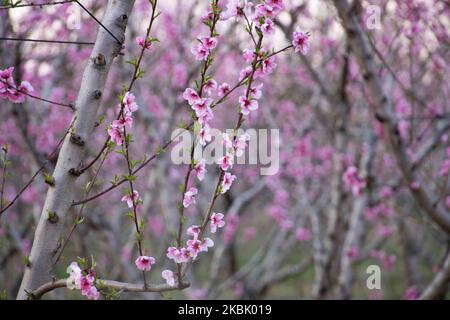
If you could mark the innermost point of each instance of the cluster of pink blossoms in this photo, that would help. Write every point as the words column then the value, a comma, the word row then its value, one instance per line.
column 117, row 128
column 9, row 90
column 354, row 181
column 83, row 281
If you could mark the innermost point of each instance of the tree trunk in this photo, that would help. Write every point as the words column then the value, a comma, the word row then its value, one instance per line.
column 59, row 198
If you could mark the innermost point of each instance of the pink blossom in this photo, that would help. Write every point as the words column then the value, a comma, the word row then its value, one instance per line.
column 245, row 73
column 224, row 88
column 411, row 293
column 142, row 42
column 301, row 42
column 228, row 180
column 226, row 140
column 249, row 55
column 25, row 86
column 415, row 185
column 189, row 197
column 247, row 105
column 144, row 263
column 193, row 231
column 226, row 162
column 353, row 181
column 353, row 252
column 204, row 135
column 210, row 86
column 303, row 234
column 268, row 27
column 268, row 65
column 169, row 277
column 129, row 102
column 173, row 253
column 91, row 293
column 200, row 52
column 122, row 122
column 75, row 275
column 206, row 243
column 256, row 91
column 209, row 43
column 130, row 198
column 235, row 8
column 200, row 169
column 201, row 106
column 116, row 135
column 206, row 116
column 191, row 96
column 194, row 247
column 240, row 143
column 216, row 220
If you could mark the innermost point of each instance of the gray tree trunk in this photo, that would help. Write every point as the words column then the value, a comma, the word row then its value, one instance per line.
column 59, row 198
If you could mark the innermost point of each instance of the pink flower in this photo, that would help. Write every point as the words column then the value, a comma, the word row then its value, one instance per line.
column 303, row 234
column 122, row 122
column 129, row 102
column 210, row 86
column 144, row 263
column 169, row 277
column 204, row 135
column 224, row 88
column 193, row 231
column 353, row 252
column 201, row 106
column 75, row 275
column 415, row 185
column 228, row 180
column 353, row 181
column 185, row 255
column 200, row 169
column 411, row 293
column 256, row 91
column 206, row 116
column 194, row 246
column 26, row 87
column 226, row 140
column 235, row 9
column 191, row 96
column 226, row 162
column 209, row 43
column 206, row 243
column 247, row 105
column 131, row 198
column 268, row 65
column 216, row 221
column 240, row 144
column 268, row 27
column 91, row 293
column 116, row 135
column 301, row 42
column 200, row 52
column 173, row 253
column 249, row 55
column 245, row 73
column 141, row 41
column 189, row 197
